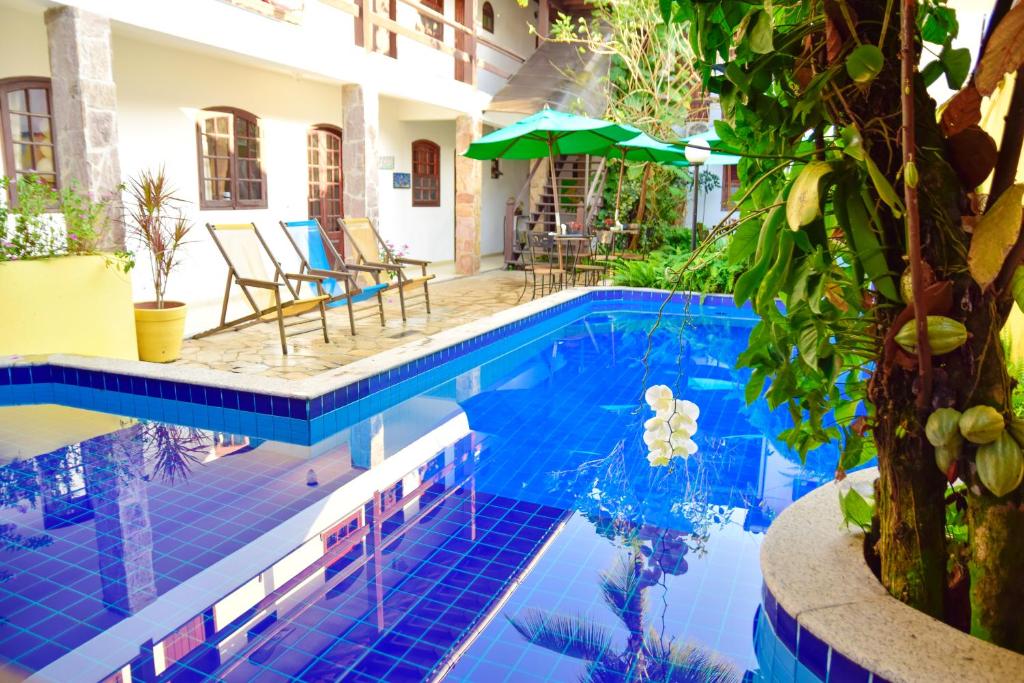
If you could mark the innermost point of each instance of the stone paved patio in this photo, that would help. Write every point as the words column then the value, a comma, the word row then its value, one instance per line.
column 256, row 350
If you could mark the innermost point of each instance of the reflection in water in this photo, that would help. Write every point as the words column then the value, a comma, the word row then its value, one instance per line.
column 647, row 654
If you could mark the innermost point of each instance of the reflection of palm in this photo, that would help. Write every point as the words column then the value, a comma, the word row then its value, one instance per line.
column 647, row 655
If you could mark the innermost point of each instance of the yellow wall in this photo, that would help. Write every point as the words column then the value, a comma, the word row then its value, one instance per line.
column 71, row 304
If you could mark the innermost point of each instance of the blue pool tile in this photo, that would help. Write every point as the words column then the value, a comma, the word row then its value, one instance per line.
column 263, row 404
column 842, row 670
column 21, row 375
column 813, row 653
column 786, row 629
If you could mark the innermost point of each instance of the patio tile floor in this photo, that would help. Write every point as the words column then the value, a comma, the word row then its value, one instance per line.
column 256, row 350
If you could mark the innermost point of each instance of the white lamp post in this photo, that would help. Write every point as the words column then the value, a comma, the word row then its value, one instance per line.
column 697, row 153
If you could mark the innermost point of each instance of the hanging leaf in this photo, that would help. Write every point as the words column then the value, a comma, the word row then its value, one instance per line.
column 856, row 220
column 804, row 202
column 956, row 63
column 856, row 509
column 743, row 242
column 1004, row 51
column 883, row 187
column 853, row 143
column 931, row 72
column 962, row 111
column 864, row 63
column 761, row 34
column 994, row 236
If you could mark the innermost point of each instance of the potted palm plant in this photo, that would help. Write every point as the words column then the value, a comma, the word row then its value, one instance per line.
column 156, row 220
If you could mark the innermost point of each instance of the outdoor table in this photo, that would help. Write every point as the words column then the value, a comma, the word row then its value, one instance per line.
column 573, row 246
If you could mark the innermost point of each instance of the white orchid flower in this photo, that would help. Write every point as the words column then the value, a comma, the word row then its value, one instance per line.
column 682, row 424
column 682, row 445
column 656, row 430
column 687, row 409
column 660, row 453
column 660, row 398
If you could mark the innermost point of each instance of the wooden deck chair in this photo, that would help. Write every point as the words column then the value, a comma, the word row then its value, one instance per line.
column 317, row 256
column 243, row 249
column 364, row 246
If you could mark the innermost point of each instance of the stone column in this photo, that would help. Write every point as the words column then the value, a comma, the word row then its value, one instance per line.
column 468, row 188
column 85, row 109
column 361, row 124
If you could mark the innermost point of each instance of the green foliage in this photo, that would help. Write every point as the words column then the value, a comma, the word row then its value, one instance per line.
column 670, row 267
column 35, row 232
column 857, row 510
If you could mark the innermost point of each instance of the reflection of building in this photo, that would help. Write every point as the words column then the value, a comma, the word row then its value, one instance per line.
column 114, row 474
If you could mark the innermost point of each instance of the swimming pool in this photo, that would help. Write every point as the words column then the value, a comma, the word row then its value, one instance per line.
column 420, row 523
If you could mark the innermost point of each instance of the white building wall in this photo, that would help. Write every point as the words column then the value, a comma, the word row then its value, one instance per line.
column 160, row 90
column 496, row 193
column 510, row 22
column 429, row 232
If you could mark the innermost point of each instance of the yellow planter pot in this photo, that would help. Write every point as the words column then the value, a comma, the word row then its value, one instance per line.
column 66, row 304
column 160, row 330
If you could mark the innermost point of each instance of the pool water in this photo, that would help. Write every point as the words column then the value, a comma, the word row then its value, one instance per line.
column 504, row 524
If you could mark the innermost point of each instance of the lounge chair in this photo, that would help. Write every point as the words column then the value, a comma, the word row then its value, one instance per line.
column 364, row 246
column 243, row 249
column 317, row 256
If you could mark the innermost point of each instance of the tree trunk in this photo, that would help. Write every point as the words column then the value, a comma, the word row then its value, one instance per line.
column 910, row 502
column 996, row 567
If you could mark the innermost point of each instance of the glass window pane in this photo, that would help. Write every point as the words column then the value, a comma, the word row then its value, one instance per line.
column 44, row 159
column 221, row 125
column 41, row 129
column 20, row 128
column 37, row 101
column 16, row 101
column 23, row 158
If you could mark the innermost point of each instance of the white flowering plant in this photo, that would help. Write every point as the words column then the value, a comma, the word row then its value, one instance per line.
column 669, row 434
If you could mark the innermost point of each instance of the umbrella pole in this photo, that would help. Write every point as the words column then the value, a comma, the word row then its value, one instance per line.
column 554, row 185
column 618, row 190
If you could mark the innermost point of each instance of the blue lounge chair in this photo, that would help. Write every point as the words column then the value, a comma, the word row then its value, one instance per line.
column 344, row 283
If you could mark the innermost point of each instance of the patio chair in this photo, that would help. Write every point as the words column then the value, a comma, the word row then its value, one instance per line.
column 545, row 262
column 243, row 249
column 319, row 257
column 606, row 252
column 364, row 246
column 585, row 268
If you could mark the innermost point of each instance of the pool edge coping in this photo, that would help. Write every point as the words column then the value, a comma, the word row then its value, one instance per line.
column 816, row 576
column 311, row 388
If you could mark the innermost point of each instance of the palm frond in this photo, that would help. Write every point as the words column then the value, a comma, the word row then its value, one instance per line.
column 671, row 662
column 574, row 636
column 623, row 590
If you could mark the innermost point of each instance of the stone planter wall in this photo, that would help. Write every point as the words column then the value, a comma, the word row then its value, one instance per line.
column 70, row 304
column 828, row 609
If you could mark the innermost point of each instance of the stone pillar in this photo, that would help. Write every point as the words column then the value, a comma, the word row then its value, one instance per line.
column 85, row 109
column 468, row 188
column 361, row 124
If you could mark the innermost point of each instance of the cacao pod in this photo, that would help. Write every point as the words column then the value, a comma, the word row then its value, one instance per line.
column 944, row 335
column 943, row 427
column 981, row 424
column 1017, row 286
column 1016, row 429
column 1000, row 465
column 945, row 456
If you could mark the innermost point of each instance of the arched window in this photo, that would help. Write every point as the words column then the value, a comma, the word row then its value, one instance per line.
column 487, row 17
column 230, row 163
column 432, row 27
column 326, row 186
column 26, row 124
column 426, row 173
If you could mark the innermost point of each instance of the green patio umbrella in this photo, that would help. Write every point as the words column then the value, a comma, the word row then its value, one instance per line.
column 643, row 148
column 548, row 133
